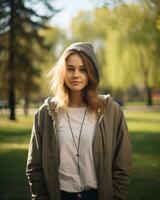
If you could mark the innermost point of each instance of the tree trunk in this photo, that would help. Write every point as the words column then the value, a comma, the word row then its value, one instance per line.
column 149, row 96
column 148, row 89
column 11, row 67
column 26, row 104
column 11, row 101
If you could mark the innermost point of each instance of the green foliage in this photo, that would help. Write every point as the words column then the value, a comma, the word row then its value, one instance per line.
column 133, row 46
column 126, row 40
column 81, row 27
column 53, row 37
column 23, row 46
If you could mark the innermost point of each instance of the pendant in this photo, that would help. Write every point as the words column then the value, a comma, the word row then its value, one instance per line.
column 79, row 195
column 77, row 154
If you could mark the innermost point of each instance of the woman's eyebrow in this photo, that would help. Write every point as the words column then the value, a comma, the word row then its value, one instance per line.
column 69, row 65
column 83, row 66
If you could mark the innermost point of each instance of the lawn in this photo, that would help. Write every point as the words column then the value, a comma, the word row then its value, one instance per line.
column 14, row 139
column 145, row 134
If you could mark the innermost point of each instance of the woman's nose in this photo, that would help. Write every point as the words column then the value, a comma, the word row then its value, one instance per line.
column 76, row 73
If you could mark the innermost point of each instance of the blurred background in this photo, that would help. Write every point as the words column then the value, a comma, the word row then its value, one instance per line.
column 126, row 38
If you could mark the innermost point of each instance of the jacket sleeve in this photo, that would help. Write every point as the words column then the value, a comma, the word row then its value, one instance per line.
column 34, row 169
column 122, row 161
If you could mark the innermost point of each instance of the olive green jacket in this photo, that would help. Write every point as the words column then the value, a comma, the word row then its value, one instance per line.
column 111, row 154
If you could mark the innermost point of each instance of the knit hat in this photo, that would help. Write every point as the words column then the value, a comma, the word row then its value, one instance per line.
column 88, row 50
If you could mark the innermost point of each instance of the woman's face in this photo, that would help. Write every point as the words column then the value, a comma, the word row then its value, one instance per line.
column 76, row 75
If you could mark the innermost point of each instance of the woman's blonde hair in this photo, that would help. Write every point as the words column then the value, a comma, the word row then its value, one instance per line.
column 61, row 91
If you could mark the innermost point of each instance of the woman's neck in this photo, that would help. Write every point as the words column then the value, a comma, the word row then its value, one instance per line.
column 76, row 99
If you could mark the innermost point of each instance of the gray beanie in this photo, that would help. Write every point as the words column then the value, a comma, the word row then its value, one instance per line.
column 88, row 50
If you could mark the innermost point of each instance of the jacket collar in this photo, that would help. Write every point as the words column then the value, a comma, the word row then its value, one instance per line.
column 51, row 106
column 100, row 114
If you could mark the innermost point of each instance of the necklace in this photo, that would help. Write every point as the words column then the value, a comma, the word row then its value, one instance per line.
column 77, row 146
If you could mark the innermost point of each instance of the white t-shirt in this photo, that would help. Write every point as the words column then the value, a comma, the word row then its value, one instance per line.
column 69, row 178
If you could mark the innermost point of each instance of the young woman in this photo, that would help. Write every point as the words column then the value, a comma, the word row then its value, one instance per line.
column 80, row 147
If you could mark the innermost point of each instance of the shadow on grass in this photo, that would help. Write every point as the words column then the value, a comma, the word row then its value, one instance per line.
column 145, row 143
column 14, row 132
column 13, row 184
column 144, row 188
column 145, row 181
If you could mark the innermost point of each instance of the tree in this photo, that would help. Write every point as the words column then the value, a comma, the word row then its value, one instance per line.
column 20, row 23
column 127, row 41
column 136, row 46
column 92, row 27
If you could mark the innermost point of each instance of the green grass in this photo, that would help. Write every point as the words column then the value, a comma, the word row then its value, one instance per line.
column 14, row 139
column 144, row 129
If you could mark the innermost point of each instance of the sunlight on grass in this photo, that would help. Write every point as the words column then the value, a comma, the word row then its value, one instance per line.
column 14, row 135
column 151, row 115
column 9, row 147
column 148, row 122
column 21, row 122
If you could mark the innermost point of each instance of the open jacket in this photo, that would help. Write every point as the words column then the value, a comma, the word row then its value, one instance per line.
column 111, row 154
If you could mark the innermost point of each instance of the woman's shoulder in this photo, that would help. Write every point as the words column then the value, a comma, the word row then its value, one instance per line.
column 111, row 104
column 47, row 106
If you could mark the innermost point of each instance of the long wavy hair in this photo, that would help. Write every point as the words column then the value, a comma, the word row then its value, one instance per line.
column 61, row 91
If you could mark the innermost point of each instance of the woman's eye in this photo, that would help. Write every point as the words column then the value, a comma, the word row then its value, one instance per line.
column 70, row 69
column 83, row 70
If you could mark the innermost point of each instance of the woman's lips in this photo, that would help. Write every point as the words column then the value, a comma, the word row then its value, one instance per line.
column 75, row 82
